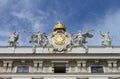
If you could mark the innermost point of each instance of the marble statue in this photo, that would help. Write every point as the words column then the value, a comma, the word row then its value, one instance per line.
column 39, row 38
column 80, row 38
column 13, row 39
column 106, row 39
column 59, row 41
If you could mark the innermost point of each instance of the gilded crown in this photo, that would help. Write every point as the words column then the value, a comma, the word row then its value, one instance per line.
column 59, row 25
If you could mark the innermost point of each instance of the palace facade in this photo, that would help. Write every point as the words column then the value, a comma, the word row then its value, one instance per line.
column 60, row 56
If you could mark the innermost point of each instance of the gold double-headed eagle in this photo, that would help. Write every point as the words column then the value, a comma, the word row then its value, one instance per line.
column 59, row 39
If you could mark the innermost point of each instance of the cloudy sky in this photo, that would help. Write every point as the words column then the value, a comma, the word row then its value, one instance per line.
column 42, row 15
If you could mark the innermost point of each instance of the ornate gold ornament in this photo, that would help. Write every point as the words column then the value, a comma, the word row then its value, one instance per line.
column 59, row 25
column 60, row 41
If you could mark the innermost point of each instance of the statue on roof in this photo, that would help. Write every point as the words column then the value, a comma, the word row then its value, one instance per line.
column 13, row 39
column 106, row 39
column 80, row 38
column 39, row 38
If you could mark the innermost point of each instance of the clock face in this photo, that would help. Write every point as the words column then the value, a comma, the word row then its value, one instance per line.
column 59, row 39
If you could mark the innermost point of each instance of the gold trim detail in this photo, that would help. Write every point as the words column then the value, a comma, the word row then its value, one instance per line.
column 59, row 25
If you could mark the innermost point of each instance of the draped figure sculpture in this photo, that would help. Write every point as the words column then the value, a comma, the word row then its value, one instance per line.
column 106, row 39
column 39, row 38
column 13, row 39
column 80, row 38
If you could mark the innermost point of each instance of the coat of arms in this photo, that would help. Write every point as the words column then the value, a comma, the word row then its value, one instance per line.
column 60, row 41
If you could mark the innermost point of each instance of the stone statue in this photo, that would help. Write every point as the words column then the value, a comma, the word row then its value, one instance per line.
column 80, row 38
column 38, row 38
column 106, row 39
column 13, row 39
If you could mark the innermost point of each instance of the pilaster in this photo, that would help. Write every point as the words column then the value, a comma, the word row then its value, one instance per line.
column 112, row 66
column 38, row 66
column 81, row 66
column 7, row 66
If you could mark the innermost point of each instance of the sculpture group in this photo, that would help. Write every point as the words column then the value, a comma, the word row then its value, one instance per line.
column 76, row 39
column 60, row 40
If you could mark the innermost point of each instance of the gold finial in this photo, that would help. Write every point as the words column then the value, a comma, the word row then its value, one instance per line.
column 59, row 22
column 59, row 25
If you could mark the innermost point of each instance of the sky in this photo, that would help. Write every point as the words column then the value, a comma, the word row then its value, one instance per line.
column 42, row 15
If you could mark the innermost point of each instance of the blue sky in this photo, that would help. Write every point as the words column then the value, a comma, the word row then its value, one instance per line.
column 42, row 15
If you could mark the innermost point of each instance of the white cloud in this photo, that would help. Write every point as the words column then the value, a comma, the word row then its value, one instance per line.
column 4, row 33
column 22, row 10
column 3, row 2
column 35, row 21
column 111, row 23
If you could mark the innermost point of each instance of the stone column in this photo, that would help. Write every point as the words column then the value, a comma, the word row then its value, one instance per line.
column 7, row 66
column 112, row 66
column 35, row 66
column 4, row 67
column 109, row 67
column 38, row 66
column 67, row 68
column 51, row 69
column 10, row 66
column 84, row 67
column 115, row 66
column 71, row 67
column 81, row 66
